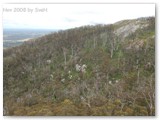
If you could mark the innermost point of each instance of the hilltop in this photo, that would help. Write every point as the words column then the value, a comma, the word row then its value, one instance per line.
column 89, row 70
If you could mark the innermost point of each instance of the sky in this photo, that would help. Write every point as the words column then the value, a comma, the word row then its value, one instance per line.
column 65, row 16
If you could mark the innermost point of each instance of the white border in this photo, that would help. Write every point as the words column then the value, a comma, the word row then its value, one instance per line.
column 83, row 1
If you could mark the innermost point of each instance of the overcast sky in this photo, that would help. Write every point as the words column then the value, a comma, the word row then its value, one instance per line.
column 64, row 16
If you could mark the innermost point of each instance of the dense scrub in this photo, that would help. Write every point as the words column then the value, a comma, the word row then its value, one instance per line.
column 91, row 70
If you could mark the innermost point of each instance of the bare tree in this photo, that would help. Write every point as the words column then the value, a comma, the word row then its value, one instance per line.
column 149, row 95
column 65, row 55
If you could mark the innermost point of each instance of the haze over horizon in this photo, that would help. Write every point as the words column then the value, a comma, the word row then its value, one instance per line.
column 65, row 16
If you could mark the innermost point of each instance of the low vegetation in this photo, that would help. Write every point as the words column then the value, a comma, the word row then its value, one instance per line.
column 102, row 70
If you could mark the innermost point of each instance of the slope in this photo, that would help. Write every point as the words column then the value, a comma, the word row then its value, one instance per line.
column 90, row 70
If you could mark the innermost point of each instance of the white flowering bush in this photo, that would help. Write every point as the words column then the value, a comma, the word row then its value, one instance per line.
column 80, row 68
column 83, row 68
column 48, row 61
column 62, row 80
column 110, row 82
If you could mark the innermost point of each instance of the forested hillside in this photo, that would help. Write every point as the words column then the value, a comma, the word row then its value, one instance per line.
column 96, row 70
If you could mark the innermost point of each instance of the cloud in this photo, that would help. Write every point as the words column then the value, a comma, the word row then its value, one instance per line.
column 69, row 20
column 64, row 16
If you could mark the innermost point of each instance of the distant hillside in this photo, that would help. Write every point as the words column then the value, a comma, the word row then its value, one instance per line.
column 89, row 70
column 16, row 37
